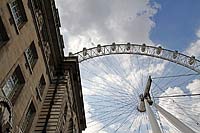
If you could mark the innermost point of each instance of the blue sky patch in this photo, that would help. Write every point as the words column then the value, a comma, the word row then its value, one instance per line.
column 176, row 23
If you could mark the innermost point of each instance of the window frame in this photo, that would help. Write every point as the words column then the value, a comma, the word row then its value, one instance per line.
column 28, row 119
column 40, row 87
column 3, row 34
column 14, row 84
column 31, row 56
column 17, row 11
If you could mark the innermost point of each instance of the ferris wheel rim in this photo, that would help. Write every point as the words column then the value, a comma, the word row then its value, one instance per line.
column 92, row 64
column 186, row 63
column 144, row 50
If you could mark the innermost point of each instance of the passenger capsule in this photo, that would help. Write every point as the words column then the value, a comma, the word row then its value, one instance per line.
column 143, row 48
column 84, row 51
column 191, row 60
column 159, row 49
column 98, row 48
column 175, row 54
column 113, row 47
column 128, row 46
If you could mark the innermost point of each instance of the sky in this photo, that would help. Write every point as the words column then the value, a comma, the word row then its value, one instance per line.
column 172, row 24
column 176, row 23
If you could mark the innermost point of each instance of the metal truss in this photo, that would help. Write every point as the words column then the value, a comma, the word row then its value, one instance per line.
column 158, row 52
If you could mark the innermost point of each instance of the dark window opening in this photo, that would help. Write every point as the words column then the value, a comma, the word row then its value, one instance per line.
column 40, row 88
column 18, row 13
column 26, row 125
column 14, row 85
column 41, row 85
column 31, row 55
column 3, row 35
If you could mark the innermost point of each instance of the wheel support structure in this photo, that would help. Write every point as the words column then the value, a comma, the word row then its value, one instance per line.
column 154, row 124
column 144, row 106
column 173, row 120
column 157, row 52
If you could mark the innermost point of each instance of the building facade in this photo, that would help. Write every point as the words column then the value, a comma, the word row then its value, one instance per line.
column 40, row 89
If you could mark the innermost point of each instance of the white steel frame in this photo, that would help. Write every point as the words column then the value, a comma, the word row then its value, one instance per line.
column 158, row 52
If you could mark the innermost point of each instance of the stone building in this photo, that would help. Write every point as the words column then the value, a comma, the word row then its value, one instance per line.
column 40, row 89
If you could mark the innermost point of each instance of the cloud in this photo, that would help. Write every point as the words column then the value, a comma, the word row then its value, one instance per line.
column 172, row 105
column 86, row 24
column 97, row 125
column 194, row 47
column 114, row 79
column 194, row 87
column 105, row 21
column 171, row 101
column 107, row 76
column 179, row 106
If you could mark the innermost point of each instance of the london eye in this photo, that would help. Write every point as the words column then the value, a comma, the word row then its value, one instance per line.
column 136, row 88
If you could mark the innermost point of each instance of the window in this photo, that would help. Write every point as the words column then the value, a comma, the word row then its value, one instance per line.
column 26, row 125
column 18, row 13
column 40, row 87
column 31, row 56
column 13, row 85
column 3, row 35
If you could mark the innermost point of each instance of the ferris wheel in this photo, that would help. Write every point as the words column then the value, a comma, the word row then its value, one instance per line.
column 131, row 88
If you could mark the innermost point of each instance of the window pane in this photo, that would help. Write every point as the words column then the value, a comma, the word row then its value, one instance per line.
column 15, row 80
column 6, row 90
column 31, row 55
column 41, row 85
column 10, row 83
column 3, row 34
column 29, row 118
column 17, row 12
column 13, row 85
column 10, row 86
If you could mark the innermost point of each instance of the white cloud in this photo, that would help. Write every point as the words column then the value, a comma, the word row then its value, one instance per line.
column 194, row 87
column 194, row 47
column 115, row 71
column 171, row 101
column 172, row 105
column 96, row 124
column 86, row 24
column 156, row 68
column 105, row 21
column 179, row 106
column 198, row 33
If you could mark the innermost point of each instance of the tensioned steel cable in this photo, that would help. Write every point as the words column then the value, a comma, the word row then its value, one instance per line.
column 184, row 95
column 173, row 76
